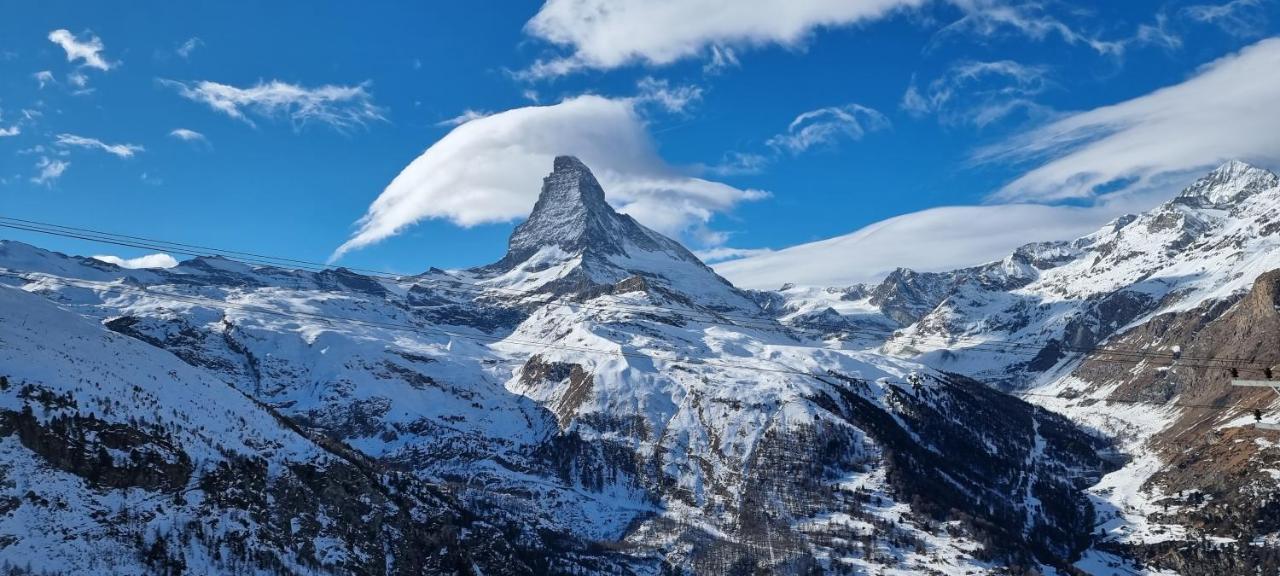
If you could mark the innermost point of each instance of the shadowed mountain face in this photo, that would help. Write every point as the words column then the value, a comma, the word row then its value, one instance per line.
column 571, row 214
column 598, row 401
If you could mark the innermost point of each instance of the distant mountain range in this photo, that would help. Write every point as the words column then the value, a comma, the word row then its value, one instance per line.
column 600, row 401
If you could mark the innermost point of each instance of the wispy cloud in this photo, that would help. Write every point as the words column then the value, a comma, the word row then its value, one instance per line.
column 978, row 93
column 480, row 172
column 188, row 135
column 49, row 170
column 44, row 77
column 158, row 260
column 10, row 131
column 341, row 107
column 675, row 99
column 989, row 18
column 119, row 150
column 734, row 163
column 1242, row 18
column 1158, row 34
column 724, row 253
column 466, row 116
column 88, row 51
column 186, row 48
column 826, row 126
column 1226, row 111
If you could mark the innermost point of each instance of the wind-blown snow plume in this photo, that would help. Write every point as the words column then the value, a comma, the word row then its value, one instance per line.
column 487, row 169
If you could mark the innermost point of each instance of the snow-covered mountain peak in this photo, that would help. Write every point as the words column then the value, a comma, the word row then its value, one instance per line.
column 573, row 241
column 1228, row 184
column 572, row 214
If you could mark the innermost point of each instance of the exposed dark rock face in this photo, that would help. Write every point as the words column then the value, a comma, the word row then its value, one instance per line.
column 906, row 295
column 1216, row 481
column 104, row 454
column 572, row 214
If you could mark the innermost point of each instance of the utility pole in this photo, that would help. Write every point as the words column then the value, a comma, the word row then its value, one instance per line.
column 1274, row 385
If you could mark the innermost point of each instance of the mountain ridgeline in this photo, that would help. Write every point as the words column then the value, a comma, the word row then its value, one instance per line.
column 599, row 401
column 1132, row 331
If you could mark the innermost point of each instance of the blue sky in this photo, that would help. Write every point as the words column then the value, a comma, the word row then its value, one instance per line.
column 755, row 128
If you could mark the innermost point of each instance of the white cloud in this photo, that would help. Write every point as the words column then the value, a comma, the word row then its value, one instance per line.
column 50, row 170
column 341, row 107
column 188, row 135
column 1158, row 34
column 186, row 48
column 722, row 58
column 1225, row 111
column 1242, row 18
column 931, row 240
column 119, row 150
column 490, row 169
column 988, row 18
column 158, row 260
column 88, row 51
column 466, row 116
column 78, row 80
column 606, row 34
column 10, row 131
column 734, row 163
column 722, row 253
column 978, row 93
column 675, row 99
column 826, row 126
column 44, row 77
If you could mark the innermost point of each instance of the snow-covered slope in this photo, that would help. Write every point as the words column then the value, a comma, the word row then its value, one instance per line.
column 1043, row 306
column 119, row 458
column 1129, row 331
column 599, row 397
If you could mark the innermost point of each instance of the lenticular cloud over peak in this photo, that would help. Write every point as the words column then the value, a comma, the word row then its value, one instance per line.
column 486, row 170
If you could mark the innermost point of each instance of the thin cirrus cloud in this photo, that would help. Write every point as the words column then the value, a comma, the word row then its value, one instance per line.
column 978, row 93
column 607, row 34
column 340, row 107
column 1226, row 111
column 992, row 18
column 49, row 170
column 826, row 126
column 1242, row 18
column 157, row 260
column 118, row 150
column 186, row 48
column 44, row 78
column 87, row 51
column 487, row 170
column 188, row 135
column 823, row 127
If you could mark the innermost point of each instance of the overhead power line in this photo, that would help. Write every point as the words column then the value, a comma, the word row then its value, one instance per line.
column 457, row 287
column 485, row 338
